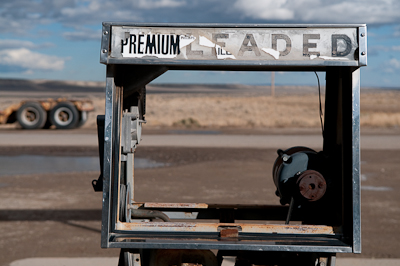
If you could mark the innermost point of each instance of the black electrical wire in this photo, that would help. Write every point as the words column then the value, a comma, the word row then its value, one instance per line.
column 320, row 104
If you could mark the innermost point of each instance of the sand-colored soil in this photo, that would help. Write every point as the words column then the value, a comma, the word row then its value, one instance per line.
column 289, row 108
column 378, row 109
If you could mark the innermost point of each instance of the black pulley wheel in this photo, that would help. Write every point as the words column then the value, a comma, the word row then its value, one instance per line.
column 31, row 115
column 64, row 116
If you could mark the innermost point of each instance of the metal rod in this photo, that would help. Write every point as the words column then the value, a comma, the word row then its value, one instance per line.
column 291, row 205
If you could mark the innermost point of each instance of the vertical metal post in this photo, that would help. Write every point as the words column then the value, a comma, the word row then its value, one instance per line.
column 107, row 170
column 356, row 176
column 111, row 155
column 341, row 144
column 130, row 175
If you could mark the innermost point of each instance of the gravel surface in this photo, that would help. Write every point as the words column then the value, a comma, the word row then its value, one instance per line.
column 58, row 214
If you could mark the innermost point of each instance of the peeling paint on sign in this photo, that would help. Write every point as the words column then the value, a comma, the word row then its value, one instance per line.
column 220, row 52
column 333, row 58
column 327, row 57
column 272, row 52
column 203, row 41
column 246, row 44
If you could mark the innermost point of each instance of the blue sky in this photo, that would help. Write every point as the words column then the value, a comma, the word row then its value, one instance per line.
column 60, row 39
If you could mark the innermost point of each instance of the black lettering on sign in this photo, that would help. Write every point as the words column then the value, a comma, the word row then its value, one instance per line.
column 249, row 48
column 123, row 44
column 158, row 44
column 164, row 44
column 151, row 44
column 175, row 44
column 276, row 37
column 335, row 40
column 140, row 43
column 132, row 43
column 307, row 45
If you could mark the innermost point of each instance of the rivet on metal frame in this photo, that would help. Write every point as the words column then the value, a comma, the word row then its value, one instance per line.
column 363, row 34
column 105, row 32
column 363, row 53
column 104, row 50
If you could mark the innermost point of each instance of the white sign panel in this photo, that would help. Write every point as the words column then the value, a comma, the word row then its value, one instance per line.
column 292, row 44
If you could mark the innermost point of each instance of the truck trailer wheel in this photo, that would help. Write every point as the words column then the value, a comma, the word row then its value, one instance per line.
column 31, row 115
column 64, row 116
column 83, row 117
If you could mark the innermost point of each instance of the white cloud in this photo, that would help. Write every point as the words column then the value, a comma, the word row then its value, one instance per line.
column 377, row 49
column 394, row 63
column 20, row 16
column 150, row 4
column 323, row 11
column 13, row 44
column 261, row 9
column 27, row 60
column 391, row 66
column 82, row 35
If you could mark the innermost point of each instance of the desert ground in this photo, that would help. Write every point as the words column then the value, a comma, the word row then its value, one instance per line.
column 55, row 214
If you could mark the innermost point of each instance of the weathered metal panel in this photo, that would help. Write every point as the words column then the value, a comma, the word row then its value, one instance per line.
column 108, row 149
column 286, row 44
column 362, row 37
column 175, row 205
column 291, row 243
column 215, row 227
column 145, row 49
column 356, row 162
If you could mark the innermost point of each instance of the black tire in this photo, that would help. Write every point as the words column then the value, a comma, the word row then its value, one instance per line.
column 83, row 117
column 64, row 116
column 31, row 115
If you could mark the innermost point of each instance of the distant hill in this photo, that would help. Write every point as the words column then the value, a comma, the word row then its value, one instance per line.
column 20, row 85
column 73, row 87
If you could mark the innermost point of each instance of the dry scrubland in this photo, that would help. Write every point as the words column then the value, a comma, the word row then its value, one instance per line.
column 378, row 109
column 240, row 107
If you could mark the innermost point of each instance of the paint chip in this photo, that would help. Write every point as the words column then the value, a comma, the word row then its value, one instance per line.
column 203, row 41
column 185, row 40
column 220, row 52
column 272, row 52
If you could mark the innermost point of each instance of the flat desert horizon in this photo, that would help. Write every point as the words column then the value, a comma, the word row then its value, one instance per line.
column 197, row 106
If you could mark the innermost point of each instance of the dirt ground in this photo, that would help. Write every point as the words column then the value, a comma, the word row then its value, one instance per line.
column 234, row 106
column 58, row 215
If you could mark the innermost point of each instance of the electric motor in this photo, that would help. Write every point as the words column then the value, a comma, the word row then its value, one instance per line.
column 300, row 173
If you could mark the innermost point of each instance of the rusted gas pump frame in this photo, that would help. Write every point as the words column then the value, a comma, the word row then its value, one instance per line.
column 129, row 73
